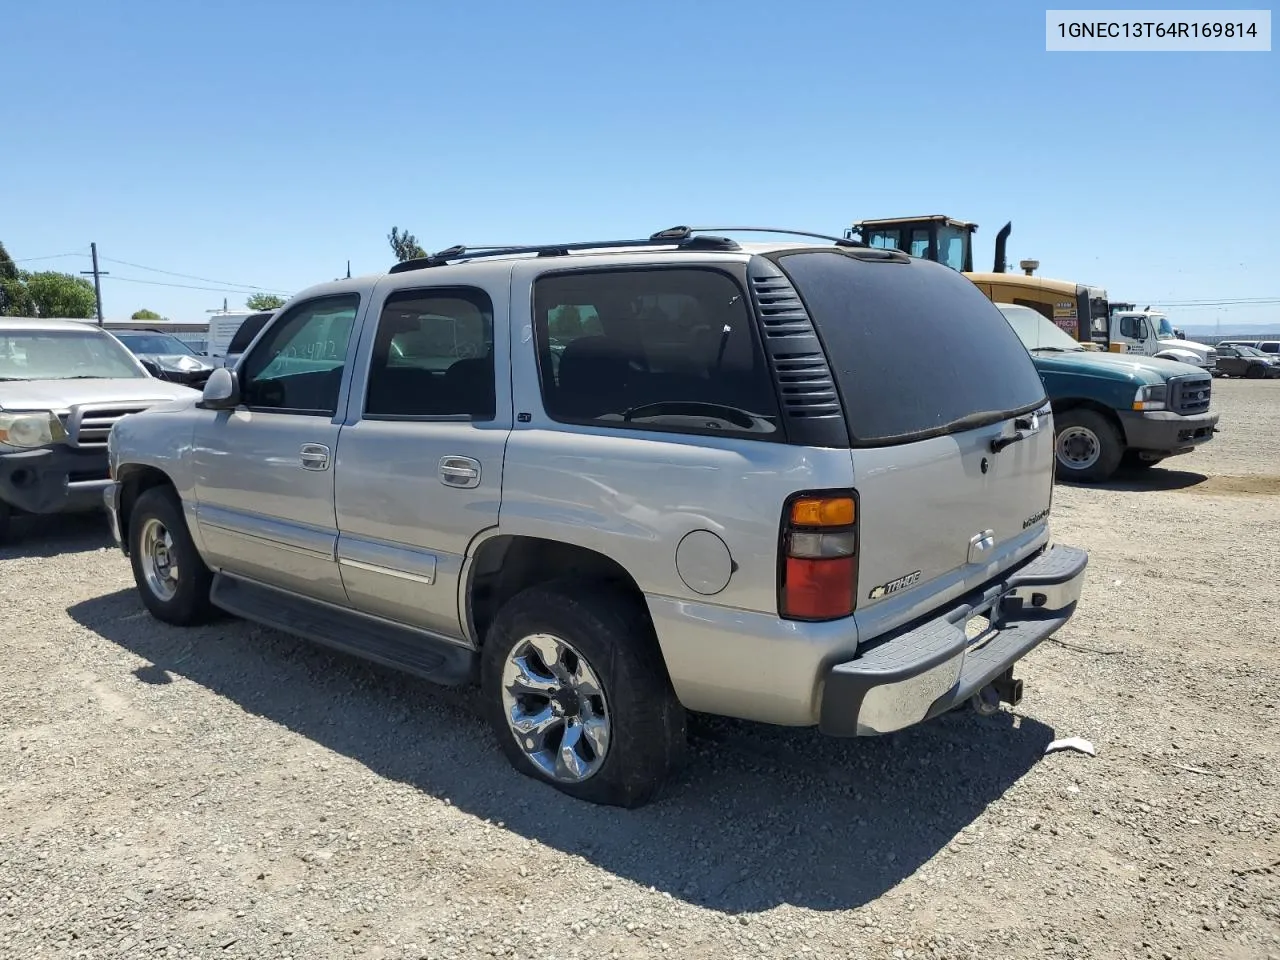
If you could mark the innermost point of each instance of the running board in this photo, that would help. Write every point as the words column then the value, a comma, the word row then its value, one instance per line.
column 415, row 652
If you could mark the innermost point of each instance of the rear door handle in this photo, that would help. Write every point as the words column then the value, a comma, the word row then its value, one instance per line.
column 459, row 472
column 314, row 456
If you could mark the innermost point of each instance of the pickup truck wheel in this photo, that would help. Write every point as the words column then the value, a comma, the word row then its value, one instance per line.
column 172, row 579
column 1087, row 446
column 577, row 694
column 1255, row 372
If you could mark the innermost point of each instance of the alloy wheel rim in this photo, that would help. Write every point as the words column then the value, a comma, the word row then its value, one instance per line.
column 556, row 708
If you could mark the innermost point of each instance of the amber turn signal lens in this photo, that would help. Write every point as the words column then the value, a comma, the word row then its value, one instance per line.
column 825, row 512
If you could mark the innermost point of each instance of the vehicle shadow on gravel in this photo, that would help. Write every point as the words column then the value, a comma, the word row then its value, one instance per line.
column 760, row 816
column 1154, row 479
column 51, row 536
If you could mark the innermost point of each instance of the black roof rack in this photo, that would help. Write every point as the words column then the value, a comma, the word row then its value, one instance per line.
column 684, row 238
column 838, row 241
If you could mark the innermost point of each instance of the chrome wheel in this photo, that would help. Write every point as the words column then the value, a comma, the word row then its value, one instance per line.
column 159, row 562
column 1078, row 447
column 555, row 708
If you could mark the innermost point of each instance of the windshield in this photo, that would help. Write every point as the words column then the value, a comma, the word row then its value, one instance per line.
column 1164, row 329
column 159, row 343
column 951, row 246
column 63, row 355
column 1036, row 331
column 1249, row 352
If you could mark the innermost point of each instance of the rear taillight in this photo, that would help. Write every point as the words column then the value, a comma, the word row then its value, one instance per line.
column 819, row 562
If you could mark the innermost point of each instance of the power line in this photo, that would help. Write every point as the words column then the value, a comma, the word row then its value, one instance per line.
column 188, row 276
column 186, row 286
column 52, row 256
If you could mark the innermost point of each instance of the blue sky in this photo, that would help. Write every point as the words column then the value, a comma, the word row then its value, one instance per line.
column 267, row 143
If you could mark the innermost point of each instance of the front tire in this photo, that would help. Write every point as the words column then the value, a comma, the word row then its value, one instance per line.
column 1087, row 446
column 1255, row 372
column 6, row 521
column 577, row 694
column 171, row 577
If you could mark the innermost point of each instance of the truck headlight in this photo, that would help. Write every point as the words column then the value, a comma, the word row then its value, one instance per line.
column 1150, row 397
column 37, row 428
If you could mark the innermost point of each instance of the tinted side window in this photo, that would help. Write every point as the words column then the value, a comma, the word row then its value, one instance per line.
column 297, row 367
column 247, row 331
column 433, row 356
column 669, row 349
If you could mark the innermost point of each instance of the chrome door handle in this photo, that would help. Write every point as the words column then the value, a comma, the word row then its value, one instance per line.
column 459, row 472
column 314, row 456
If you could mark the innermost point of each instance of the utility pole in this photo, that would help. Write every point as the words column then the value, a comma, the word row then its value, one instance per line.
column 97, row 279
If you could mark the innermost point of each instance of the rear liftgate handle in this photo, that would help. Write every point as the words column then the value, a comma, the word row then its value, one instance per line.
column 1025, row 427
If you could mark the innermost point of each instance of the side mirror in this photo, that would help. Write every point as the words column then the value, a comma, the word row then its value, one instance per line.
column 221, row 390
column 151, row 367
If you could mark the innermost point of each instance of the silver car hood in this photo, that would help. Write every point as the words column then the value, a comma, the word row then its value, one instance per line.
column 60, row 395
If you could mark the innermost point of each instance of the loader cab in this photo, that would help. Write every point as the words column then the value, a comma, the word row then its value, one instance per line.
column 936, row 237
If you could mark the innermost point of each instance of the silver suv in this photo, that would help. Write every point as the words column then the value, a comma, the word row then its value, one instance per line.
column 63, row 385
column 612, row 482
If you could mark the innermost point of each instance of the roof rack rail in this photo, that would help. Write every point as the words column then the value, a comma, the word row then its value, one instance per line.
column 461, row 252
column 686, row 238
column 838, row 241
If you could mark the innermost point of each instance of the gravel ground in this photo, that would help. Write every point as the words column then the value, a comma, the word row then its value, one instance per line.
column 230, row 792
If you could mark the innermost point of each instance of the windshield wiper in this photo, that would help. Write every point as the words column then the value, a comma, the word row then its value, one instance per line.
column 693, row 408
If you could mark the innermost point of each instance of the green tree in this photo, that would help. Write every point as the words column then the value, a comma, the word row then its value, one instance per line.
column 265, row 301
column 405, row 245
column 60, row 294
column 8, row 269
column 14, row 301
column 145, row 314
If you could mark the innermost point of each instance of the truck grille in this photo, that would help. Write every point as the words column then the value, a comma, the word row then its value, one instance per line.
column 89, row 425
column 1190, row 395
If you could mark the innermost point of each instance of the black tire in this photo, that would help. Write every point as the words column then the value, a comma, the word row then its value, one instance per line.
column 1255, row 372
column 610, row 629
column 189, row 604
column 1083, row 423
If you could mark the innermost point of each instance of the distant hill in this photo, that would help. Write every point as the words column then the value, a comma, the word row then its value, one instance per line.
column 1261, row 331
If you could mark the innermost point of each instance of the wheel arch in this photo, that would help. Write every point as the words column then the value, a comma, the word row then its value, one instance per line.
column 501, row 565
column 1084, row 403
column 135, row 479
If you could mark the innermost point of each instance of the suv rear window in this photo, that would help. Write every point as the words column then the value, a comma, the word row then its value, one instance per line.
column 670, row 348
column 915, row 348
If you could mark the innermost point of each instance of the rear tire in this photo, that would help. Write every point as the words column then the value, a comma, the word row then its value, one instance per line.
column 573, row 660
column 1087, row 446
column 171, row 577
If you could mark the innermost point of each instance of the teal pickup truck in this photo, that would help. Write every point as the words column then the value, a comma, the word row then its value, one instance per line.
column 1111, row 409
